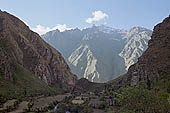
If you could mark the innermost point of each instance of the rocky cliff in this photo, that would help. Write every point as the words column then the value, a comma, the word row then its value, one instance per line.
column 21, row 46
column 154, row 64
column 136, row 42
column 100, row 53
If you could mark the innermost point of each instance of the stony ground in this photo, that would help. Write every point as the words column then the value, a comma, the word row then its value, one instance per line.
column 45, row 101
column 22, row 106
column 9, row 103
column 39, row 102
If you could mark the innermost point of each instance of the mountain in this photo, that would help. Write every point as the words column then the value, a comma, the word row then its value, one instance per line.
column 136, row 43
column 145, row 88
column 99, row 53
column 154, row 63
column 83, row 86
column 28, row 62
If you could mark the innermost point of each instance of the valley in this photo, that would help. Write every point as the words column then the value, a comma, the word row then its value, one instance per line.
column 102, row 70
column 100, row 53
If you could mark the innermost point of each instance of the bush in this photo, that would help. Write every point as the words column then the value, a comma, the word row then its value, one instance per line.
column 30, row 104
column 2, row 100
column 168, row 88
column 102, row 105
column 139, row 99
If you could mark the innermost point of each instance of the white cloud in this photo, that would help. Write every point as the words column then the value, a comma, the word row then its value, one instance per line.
column 42, row 30
column 97, row 16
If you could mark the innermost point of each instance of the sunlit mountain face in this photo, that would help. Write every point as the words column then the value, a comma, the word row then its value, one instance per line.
column 100, row 53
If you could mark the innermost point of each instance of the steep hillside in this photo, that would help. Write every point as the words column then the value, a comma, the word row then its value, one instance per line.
column 154, row 64
column 25, row 55
column 146, row 86
column 136, row 43
column 100, row 53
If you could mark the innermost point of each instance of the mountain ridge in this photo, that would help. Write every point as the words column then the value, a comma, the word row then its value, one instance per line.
column 106, row 46
column 148, row 68
column 19, row 46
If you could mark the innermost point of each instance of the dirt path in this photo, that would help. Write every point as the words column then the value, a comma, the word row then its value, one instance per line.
column 45, row 101
column 21, row 107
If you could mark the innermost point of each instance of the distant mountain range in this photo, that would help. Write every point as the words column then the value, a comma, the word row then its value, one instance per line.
column 100, row 53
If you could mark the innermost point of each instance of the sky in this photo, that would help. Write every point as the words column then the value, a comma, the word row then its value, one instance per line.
column 45, row 15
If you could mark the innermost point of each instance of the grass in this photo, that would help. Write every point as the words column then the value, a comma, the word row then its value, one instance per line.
column 24, row 84
column 24, row 80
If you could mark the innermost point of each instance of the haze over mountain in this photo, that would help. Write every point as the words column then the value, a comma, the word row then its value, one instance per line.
column 100, row 53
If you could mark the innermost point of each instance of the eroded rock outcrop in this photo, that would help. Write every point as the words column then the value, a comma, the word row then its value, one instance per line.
column 100, row 53
column 20, row 45
column 155, row 62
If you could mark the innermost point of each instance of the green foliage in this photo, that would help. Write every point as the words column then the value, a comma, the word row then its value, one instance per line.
column 2, row 100
column 139, row 99
column 86, row 109
column 66, row 105
column 88, row 86
column 103, row 105
column 102, row 98
column 127, row 111
column 24, row 84
column 168, row 88
column 30, row 104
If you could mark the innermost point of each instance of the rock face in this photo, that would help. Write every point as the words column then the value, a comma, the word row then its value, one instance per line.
column 154, row 64
column 136, row 43
column 21, row 46
column 100, row 53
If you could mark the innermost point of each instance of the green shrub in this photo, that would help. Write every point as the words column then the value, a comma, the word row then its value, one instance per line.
column 102, row 105
column 168, row 88
column 143, row 100
column 2, row 100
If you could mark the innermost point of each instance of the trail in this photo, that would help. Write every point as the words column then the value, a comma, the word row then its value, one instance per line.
column 21, row 107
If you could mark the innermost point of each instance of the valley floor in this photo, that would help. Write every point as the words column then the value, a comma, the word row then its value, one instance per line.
column 127, row 99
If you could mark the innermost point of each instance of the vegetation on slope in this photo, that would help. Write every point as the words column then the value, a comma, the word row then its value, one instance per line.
column 83, row 85
column 24, row 84
column 141, row 98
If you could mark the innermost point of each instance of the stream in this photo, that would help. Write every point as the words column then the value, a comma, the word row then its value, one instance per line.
column 56, row 107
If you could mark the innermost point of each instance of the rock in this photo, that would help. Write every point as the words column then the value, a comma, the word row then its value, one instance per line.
column 21, row 46
column 154, row 64
column 100, row 53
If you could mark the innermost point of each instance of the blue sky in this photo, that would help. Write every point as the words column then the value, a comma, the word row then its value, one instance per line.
column 49, row 14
